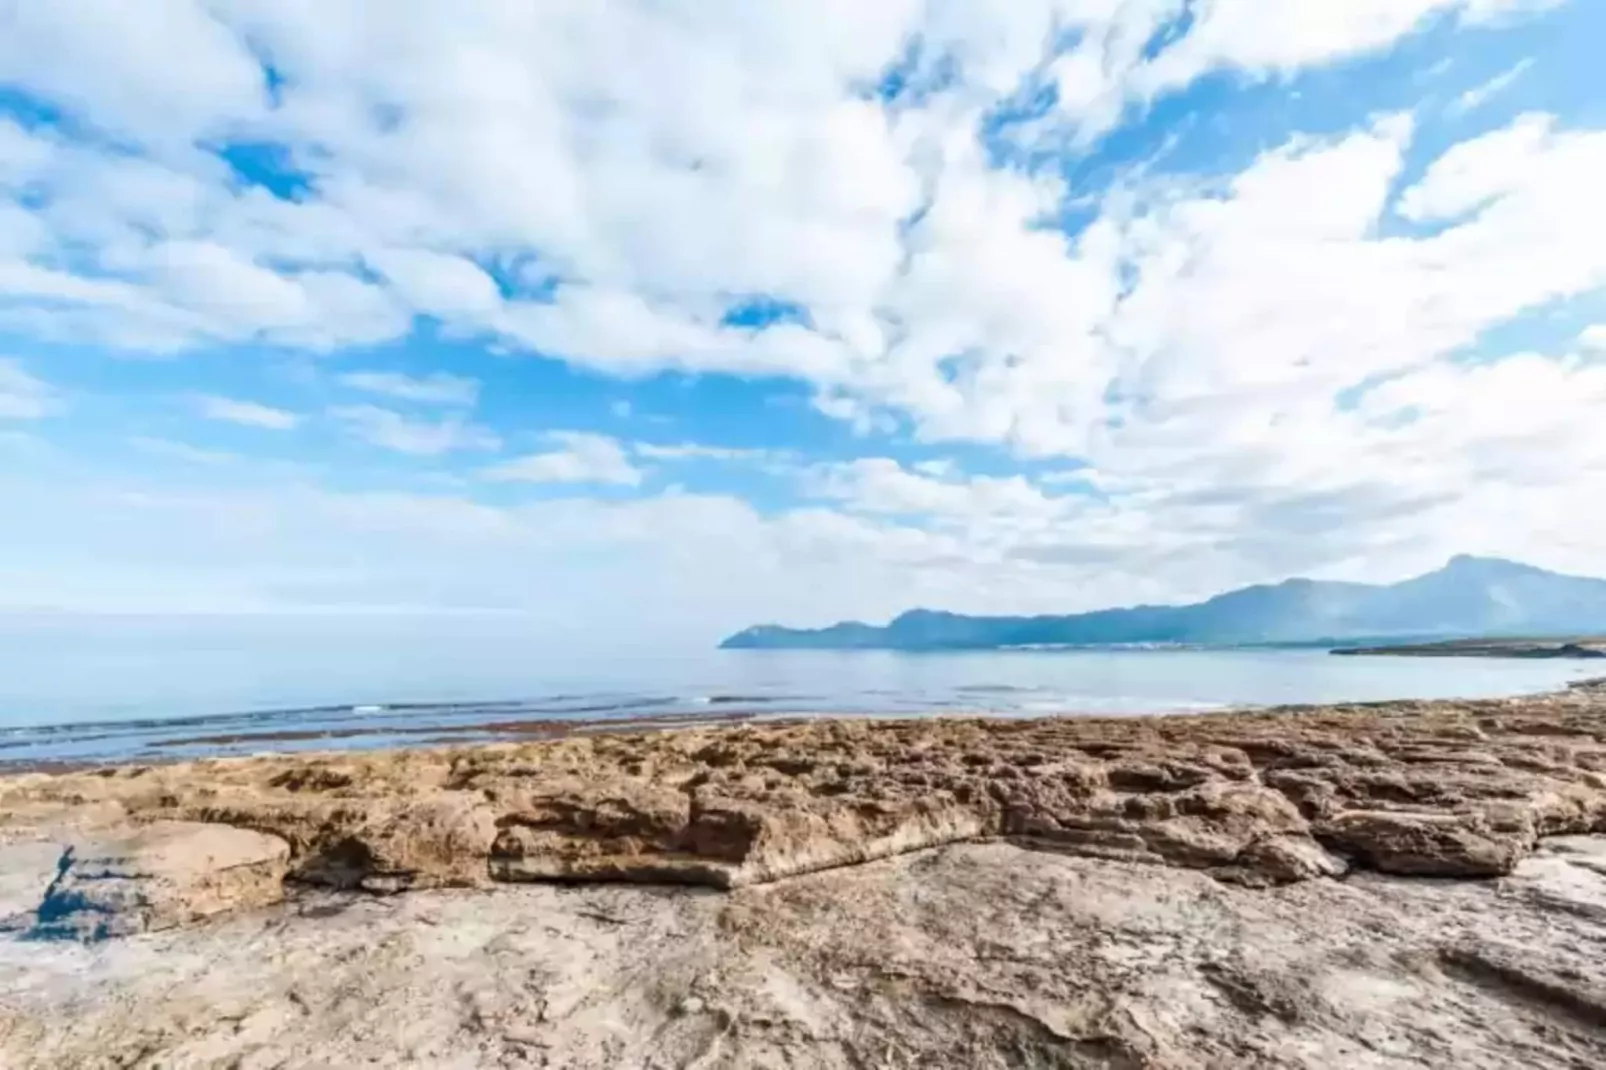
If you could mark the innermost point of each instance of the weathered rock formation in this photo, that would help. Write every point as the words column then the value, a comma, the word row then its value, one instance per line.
column 158, row 876
column 1106, row 925
column 967, row 957
column 1458, row 789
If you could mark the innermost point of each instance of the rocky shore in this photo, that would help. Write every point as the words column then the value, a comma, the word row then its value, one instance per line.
column 1405, row 884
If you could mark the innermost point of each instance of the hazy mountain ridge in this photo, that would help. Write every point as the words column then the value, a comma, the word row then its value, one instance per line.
column 1469, row 596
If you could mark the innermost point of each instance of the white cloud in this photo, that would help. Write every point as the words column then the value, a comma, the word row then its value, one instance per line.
column 1258, row 366
column 673, row 568
column 237, row 299
column 414, row 437
column 1258, row 37
column 941, row 468
column 678, row 569
column 1593, row 337
column 1268, row 301
column 247, row 413
column 629, row 166
column 579, row 458
column 439, row 284
column 1008, row 525
column 1508, row 169
column 83, row 54
column 685, row 569
column 693, row 451
column 1479, row 95
column 436, row 389
column 23, row 396
column 882, row 486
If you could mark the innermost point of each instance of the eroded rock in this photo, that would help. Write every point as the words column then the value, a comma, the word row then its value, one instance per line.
column 1429, row 844
column 1451, row 789
column 163, row 875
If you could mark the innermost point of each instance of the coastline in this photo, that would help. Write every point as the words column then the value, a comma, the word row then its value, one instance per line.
column 832, row 893
column 1583, row 648
column 848, row 789
column 434, row 737
column 1117, row 683
column 407, row 738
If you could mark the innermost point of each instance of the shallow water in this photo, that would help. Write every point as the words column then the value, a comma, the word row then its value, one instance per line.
column 124, row 692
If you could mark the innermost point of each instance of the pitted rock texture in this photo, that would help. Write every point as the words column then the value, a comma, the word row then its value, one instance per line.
column 1451, row 789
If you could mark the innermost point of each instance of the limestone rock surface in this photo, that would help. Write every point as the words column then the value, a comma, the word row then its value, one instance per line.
column 162, row 875
column 967, row 957
column 1448, row 789
column 1137, row 894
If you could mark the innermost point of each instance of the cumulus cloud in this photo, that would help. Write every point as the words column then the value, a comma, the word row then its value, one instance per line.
column 1243, row 373
column 438, row 283
column 736, row 154
column 1255, row 313
column 578, row 458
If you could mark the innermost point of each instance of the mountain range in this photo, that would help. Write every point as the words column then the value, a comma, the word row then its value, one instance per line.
column 1468, row 597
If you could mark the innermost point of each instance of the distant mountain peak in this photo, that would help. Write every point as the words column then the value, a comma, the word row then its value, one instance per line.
column 1477, row 561
column 1478, row 565
column 1471, row 596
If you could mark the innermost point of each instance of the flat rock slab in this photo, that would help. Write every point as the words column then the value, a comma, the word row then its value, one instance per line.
column 970, row 957
column 159, row 876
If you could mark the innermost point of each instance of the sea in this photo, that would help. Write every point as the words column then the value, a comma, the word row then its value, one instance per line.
column 130, row 694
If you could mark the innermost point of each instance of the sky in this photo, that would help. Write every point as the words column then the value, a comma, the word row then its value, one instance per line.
column 652, row 319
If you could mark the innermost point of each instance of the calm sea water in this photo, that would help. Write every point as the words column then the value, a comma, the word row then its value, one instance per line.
column 150, row 693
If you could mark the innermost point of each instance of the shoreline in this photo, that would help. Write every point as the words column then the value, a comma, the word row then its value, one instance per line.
column 428, row 737
column 434, row 737
column 940, row 768
column 1579, row 648
column 1224, row 888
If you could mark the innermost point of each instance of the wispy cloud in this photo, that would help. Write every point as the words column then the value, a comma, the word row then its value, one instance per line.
column 22, row 395
column 418, row 438
column 690, row 451
column 437, row 389
column 183, row 451
column 578, row 458
column 246, row 413
column 879, row 485
column 1479, row 95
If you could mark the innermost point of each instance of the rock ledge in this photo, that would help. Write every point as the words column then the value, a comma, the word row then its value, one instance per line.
column 1448, row 789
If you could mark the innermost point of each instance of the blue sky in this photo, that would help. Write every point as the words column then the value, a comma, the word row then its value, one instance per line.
column 664, row 318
